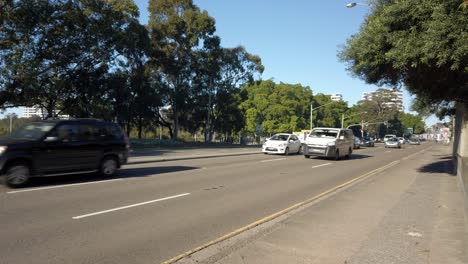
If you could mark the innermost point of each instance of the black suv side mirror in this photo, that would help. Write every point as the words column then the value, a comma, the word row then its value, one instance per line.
column 51, row 139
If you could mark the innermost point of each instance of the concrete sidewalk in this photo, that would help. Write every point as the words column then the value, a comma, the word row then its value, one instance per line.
column 138, row 156
column 410, row 213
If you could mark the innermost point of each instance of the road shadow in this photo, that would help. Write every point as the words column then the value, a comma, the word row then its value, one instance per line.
column 153, row 152
column 353, row 157
column 94, row 177
column 359, row 156
column 443, row 166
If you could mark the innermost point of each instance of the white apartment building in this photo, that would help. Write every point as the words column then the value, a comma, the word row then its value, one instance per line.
column 396, row 97
column 336, row 97
column 29, row 112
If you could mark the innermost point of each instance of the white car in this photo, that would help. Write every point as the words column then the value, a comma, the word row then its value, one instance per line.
column 387, row 137
column 283, row 143
column 402, row 140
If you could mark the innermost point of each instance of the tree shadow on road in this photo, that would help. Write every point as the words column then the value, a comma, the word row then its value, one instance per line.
column 443, row 166
column 93, row 177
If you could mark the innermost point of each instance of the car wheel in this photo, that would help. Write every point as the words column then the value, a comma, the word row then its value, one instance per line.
column 17, row 175
column 306, row 156
column 266, row 153
column 337, row 155
column 299, row 151
column 286, row 152
column 350, row 152
column 108, row 166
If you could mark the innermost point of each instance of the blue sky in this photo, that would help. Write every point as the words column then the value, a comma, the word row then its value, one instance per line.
column 298, row 40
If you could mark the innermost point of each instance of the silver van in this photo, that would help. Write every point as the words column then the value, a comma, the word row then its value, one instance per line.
column 329, row 142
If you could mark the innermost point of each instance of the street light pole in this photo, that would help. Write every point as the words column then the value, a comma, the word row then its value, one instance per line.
column 311, row 118
column 11, row 122
column 311, row 111
column 342, row 120
column 343, row 117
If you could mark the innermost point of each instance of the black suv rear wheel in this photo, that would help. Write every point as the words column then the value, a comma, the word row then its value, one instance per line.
column 17, row 175
column 109, row 166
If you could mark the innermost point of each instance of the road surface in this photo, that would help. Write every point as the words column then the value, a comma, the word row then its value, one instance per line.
column 152, row 212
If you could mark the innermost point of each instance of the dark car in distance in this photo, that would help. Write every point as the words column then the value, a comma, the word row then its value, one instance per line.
column 368, row 142
column 62, row 147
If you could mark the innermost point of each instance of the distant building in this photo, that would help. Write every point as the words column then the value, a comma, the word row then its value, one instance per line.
column 336, row 97
column 29, row 112
column 395, row 97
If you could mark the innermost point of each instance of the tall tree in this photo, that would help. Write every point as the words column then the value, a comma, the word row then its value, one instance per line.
column 221, row 73
column 178, row 29
column 419, row 44
column 276, row 107
column 56, row 54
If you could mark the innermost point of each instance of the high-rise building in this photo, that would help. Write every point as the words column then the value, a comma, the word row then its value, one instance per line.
column 336, row 97
column 394, row 97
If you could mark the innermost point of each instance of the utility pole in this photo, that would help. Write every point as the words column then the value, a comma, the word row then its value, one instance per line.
column 342, row 120
column 311, row 118
column 362, row 128
column 11, row 121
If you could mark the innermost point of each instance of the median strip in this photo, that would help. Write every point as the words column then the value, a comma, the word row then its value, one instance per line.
column 129, row 206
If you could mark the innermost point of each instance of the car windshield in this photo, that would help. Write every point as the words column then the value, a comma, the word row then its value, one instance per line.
column 32, row 131
column 322, row 133
column 280, row 137
column 393, row 139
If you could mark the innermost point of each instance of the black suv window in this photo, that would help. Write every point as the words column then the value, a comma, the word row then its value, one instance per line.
column 67, row 132
column 89, row 132
column 110, row 131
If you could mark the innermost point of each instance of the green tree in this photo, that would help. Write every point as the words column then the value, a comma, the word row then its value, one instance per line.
column 411, row 121
column 56, row 54
column 220, row 74
column 178, row 29
column 276, row 107
column 422, row 45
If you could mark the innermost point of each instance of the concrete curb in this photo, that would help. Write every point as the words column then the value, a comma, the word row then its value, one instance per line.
column 205, row 156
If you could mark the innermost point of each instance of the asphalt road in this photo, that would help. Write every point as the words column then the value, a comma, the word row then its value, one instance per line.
column 152, row 212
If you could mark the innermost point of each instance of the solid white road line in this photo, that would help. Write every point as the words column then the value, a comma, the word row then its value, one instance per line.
column 272, row 160
column 61, row 186
column 129, row 206
column 388, row 151
column 321, row 165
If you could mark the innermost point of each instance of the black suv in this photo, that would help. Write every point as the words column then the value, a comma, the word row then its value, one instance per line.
column 61, row 147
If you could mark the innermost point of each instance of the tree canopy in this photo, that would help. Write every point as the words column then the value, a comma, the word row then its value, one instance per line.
column 276, row 107
column 422, row 45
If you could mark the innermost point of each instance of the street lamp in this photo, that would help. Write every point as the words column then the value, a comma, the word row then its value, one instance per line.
column 311, row 111
column 343, row 117
column 351, row 5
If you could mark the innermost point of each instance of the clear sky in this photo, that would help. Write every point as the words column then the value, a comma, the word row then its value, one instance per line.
column 298, row 40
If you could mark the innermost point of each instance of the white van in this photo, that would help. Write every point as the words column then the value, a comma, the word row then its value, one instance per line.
column 329, row 142
column 388, row 136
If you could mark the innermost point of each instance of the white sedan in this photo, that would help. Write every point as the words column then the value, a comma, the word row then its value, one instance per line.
column 283, row 143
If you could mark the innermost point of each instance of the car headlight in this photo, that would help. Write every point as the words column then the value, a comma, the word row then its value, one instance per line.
column 2, row 149
column 329, row 144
